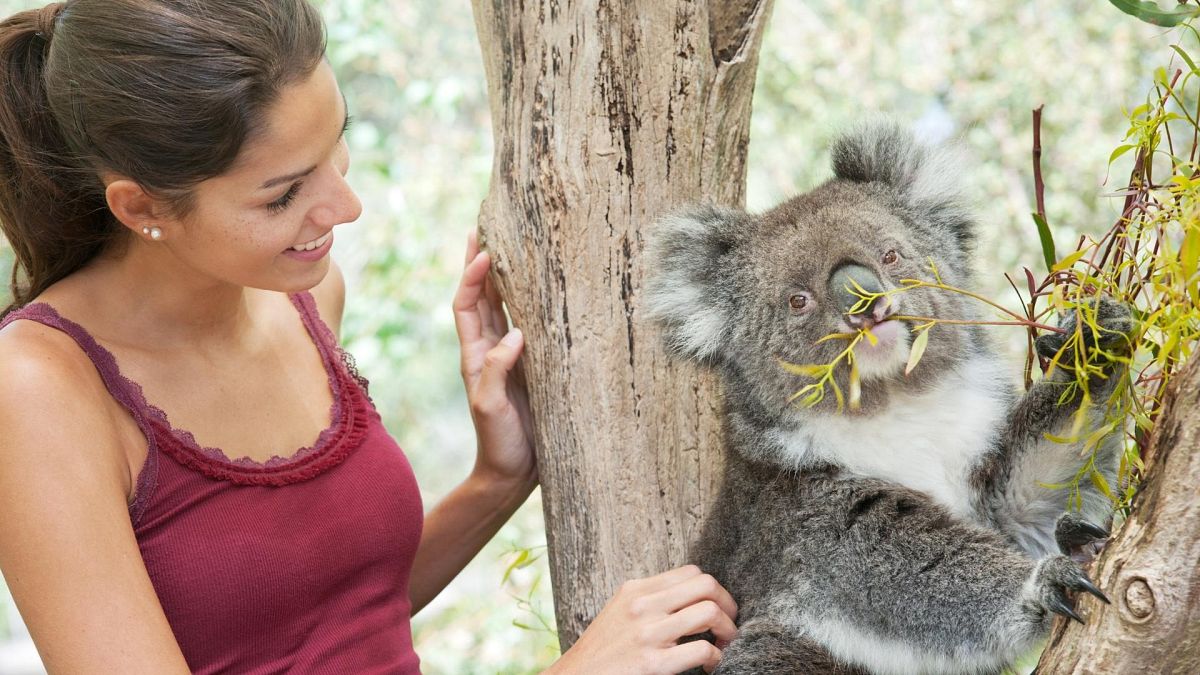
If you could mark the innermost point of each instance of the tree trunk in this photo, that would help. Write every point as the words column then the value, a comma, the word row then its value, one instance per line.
column 1151, row 568
column 606, row 113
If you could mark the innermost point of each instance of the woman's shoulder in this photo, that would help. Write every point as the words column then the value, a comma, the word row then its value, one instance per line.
column 51, row 389
column 35, row 356
column 57, row 418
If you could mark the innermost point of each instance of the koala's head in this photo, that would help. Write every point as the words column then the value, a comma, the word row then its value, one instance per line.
column 744, row 292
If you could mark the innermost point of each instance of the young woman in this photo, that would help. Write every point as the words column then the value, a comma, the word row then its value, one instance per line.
column 192, row 477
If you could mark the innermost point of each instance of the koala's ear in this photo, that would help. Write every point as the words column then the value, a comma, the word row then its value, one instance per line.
column 688, row 288
column 928, row 178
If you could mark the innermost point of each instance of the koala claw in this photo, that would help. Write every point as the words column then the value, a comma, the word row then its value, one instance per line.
column 1113, row 318
column 1087, row 585
column 1055, row 577
column 1060, row 605
column 1077, row 537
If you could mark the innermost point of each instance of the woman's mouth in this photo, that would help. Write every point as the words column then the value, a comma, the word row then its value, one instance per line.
column 311, row 250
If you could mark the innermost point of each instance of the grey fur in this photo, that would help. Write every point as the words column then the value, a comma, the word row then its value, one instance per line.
column 915, row 534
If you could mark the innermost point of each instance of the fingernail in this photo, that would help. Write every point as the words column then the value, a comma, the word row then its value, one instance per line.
column 513, row 338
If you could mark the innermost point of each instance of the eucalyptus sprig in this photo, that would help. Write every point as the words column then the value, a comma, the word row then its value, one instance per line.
column 812, row 394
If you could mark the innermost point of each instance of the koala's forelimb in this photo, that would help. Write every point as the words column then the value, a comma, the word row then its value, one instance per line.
column 1030, row 477
column 887, row 580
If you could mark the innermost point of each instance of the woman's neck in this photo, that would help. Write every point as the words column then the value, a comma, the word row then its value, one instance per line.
column 148, row 300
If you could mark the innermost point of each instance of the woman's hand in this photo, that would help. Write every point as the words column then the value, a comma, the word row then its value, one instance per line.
column 496, row 392
column 638, row 630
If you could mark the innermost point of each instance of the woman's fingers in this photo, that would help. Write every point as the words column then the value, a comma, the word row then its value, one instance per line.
column 693, row 589
column 692, row 654
column 664, row 580
column 491, row 394
column 466, row 300
column 697, row 618
column 639, row 629
column 486, row 311
column 478, row 308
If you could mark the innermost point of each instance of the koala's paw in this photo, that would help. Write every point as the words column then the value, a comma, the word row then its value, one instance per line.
column 1116, row 328
column 1055, row 577
column 1078, row 538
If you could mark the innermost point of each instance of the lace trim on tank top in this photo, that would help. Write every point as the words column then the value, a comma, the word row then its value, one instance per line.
column 350, row 413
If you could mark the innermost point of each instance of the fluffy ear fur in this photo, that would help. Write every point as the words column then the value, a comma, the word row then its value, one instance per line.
column 687, row 286
column 928, row 178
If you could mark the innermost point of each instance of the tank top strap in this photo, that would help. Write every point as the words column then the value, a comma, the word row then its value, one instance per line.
column 124, row 391
column 337, row 358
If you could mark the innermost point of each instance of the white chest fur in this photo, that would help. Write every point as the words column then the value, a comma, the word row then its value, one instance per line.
column 927, row 441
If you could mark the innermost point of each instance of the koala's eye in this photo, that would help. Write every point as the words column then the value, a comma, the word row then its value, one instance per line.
column 799, row 302
column 890, row 258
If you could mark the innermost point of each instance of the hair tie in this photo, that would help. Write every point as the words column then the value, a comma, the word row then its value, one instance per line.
column 46, row 18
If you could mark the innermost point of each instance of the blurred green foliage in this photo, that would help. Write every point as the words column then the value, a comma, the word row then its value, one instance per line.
column 421, row 144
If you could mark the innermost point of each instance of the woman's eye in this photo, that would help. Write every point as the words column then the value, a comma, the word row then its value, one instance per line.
column 798, row 302
column 283, row 202
column 890, row 258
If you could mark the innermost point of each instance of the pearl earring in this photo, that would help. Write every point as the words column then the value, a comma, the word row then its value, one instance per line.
column 153, row 232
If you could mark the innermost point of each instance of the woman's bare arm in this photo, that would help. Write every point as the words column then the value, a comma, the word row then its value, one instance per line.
column 67, row 547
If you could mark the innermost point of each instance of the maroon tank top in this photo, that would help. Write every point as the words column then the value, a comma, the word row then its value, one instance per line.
column 295, row 565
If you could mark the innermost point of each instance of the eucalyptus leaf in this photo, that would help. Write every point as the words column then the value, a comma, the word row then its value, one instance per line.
column 1151, row 12
column 1047, row 239
column 917, row 351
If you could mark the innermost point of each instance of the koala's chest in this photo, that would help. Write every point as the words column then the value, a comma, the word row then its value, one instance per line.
column 927, row 442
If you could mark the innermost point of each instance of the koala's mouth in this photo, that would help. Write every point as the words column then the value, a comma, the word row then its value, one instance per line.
column 887, row 353
column 885, row 333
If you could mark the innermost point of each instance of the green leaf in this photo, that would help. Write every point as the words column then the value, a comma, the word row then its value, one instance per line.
column 917, row 351
column 1101, row 484
column 1121, row 149
column 1150, row 12
column 855, row 388
column 1184, row 55
column 1066, row 262
column 835, row 336
column 1189, row 256
column 516, row 564
column 813, row 371
column 1047, row 242
column 1060, row 439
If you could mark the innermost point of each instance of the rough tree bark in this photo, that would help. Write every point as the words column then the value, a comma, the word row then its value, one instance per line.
column 1151, row 568
column 605, row 113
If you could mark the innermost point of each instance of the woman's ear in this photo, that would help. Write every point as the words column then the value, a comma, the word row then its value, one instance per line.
column 137, row 209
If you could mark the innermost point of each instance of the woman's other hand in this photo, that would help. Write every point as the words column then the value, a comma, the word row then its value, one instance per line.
column 638, row 631
column 495, row 387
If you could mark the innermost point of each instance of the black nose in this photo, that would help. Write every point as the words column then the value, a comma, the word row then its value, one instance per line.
column 847, row 286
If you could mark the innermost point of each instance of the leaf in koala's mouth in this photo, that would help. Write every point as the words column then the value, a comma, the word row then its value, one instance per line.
column 812, row 394
column 855, row 383
column 918, row 348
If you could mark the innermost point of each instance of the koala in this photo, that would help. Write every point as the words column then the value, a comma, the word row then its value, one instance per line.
column 918, row 532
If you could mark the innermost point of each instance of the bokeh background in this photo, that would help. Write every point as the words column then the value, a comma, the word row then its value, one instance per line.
column 421, row 145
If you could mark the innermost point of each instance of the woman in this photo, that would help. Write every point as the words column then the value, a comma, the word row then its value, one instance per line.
column 171, row 174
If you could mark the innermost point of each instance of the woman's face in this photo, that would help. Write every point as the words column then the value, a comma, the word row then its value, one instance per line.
column 287, row 189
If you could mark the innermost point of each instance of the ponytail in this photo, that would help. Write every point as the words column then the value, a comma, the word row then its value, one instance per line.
column 52, row 211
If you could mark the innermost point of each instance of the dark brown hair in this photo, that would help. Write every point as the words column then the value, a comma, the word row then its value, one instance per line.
column 163, row 92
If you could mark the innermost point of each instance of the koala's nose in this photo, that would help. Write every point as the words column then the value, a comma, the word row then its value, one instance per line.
column 848, row 284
